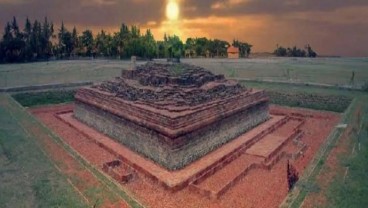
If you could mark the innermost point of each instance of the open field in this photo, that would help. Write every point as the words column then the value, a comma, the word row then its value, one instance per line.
column 40, row 73
column 332, row 71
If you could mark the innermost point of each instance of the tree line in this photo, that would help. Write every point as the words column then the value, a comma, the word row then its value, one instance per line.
column 39, row 40
column 295, row 52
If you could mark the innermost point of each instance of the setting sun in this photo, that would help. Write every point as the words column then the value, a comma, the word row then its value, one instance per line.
column 172, row 10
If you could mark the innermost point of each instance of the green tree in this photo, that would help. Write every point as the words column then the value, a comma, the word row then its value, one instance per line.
column 244, row 48
column 201, row 46
column 221, row 47
column 150, row 45
column 134, row 43
column 295, row 51
column 75, row 41
column 68, row 43
column 174, row 47
column 161, row 49
column 13, row 45
column 61, row 37
column 35, row 40
column 310, row 52
column 115, row 45
column 190, row 47
column 87, row 42
column 45, row 39
column 121, row 40
column 280, row 51
column 27, row 33
column 104, row 44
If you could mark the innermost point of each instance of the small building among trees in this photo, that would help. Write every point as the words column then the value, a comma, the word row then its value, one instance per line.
column 233, row 52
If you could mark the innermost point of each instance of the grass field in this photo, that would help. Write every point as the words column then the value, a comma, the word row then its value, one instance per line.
column 30, row 99
column 333, row 71
column 350, row 188
column 13, row 75
column 27, row 177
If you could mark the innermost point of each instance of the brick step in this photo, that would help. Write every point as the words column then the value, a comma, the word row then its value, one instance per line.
column 288, row 154
column 221, row 181
column 295, row 134
column 118, row 171
column 290, row 127
column 239, row 151
column 300, row 147
column 214, row 186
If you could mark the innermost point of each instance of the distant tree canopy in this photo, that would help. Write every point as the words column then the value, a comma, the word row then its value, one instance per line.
column 295, row 52
column 203, row 47
column 33, row 42
column 244, row 48
column 39, row 41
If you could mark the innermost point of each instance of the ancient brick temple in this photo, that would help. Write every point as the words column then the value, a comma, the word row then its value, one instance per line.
column 171, row 113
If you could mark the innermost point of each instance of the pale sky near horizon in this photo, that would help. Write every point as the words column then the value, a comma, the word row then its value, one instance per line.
column 331, row 27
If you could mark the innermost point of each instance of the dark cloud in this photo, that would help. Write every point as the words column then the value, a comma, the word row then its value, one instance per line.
column 84, row 12
column 270, row 7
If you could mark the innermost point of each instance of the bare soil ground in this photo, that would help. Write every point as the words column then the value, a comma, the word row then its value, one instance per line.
column 258, row 187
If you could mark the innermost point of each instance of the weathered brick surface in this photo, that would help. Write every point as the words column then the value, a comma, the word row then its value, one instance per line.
column 171, row 117
column 179, row 179
column 152, row 144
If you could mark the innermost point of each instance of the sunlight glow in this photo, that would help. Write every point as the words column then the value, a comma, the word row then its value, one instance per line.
column 172, row 10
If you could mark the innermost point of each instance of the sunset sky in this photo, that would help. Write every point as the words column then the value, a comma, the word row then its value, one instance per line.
column 332, row 27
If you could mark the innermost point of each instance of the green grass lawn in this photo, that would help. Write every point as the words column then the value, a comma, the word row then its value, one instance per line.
column 333, row 71
column 29, row 99
column 55, row 72
column 351, row 190
column 27, row 177
column 317, row 98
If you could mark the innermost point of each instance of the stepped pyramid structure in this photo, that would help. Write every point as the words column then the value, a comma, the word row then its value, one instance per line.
column 172, row 114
